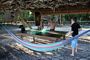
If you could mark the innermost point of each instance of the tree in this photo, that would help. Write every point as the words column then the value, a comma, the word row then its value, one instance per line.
column 52, row 23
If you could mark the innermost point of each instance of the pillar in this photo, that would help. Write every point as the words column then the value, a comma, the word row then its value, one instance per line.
column 37, row 18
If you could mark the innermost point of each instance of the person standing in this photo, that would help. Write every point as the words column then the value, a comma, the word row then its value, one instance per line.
column 52, row 25
column 22, row 29
column 74, row 30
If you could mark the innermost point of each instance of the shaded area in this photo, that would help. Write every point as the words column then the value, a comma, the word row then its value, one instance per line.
column 9, row 53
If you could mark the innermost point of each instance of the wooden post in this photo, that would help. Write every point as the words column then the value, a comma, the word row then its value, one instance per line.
column 61, row 22
column 37, row 18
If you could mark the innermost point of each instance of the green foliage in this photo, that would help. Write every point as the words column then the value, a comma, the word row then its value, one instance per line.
column 0, row 46
column 25, row 15
column 31, row 17
column 1, row 15
column 52, row 17
column 78, row 16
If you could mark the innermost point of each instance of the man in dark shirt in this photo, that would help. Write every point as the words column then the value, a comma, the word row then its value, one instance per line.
column 22, row 29
column 74, row 28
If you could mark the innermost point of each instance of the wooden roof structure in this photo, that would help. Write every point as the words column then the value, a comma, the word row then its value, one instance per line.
column 47, row 6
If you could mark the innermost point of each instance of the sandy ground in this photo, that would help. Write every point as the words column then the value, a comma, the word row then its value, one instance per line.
column 11, row 50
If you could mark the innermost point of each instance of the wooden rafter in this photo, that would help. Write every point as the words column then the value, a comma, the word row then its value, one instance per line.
column 47, row 6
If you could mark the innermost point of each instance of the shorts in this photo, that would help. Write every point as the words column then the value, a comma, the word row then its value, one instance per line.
column 74, row 43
